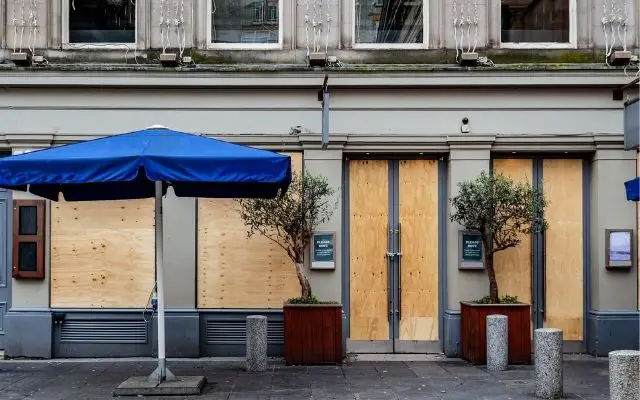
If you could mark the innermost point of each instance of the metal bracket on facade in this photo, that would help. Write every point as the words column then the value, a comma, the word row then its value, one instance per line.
column 618, row 92
column 323, row 97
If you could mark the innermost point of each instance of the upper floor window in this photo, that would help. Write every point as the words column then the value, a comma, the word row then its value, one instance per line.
column 390, row 23
column 100, row 21
column 538, row 23
column 245, row 24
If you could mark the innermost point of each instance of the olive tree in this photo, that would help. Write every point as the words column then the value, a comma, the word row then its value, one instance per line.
column 290, row 219
column 500, row 211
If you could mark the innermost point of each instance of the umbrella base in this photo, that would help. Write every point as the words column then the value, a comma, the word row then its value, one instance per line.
column 159, row 375
column 142, row 386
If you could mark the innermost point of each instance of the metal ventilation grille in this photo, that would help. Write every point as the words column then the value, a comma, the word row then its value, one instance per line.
column 235, row 332
column 91, row 331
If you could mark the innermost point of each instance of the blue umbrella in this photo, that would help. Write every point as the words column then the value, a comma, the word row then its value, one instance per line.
column 142, row 164
column 632, row 187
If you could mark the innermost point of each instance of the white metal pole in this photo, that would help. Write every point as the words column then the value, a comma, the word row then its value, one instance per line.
column 160, row 282
column 161, row 373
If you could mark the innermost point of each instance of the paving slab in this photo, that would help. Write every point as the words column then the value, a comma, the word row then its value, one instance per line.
column 141, row 386
column 439, row 379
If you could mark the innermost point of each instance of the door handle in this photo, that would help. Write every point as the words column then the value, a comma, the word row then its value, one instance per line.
column 399, row 232
column 390, row 255
column 399, row 254
column 533, row 277
column 543, row 283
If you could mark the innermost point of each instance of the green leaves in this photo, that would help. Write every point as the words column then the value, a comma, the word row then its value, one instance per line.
column 308, row 300
column 289, row 220
column 506, row 299
column 500, row 209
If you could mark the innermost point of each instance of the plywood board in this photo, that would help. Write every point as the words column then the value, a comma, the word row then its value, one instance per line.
column 562, row 183
column 513, row 266
column 368, row 224
column 235, row 271
column 638, row 231
column 102, row 253
column 418, row 216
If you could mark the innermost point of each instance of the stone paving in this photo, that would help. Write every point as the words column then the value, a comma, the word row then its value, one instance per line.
column 584, row 378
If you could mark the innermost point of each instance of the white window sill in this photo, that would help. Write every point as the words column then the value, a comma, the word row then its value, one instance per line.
column 244, row 46
column 390, row 46
column 538, row 46
column 101, row 46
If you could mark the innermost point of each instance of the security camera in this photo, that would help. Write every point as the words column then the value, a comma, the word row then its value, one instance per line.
column 465, row 128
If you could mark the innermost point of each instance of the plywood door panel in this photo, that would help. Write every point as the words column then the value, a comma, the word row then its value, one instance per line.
column 235, row 271
column 418, row 216
column 368, row 224
column 102, row 253
column 562, row 184
column 513, row 266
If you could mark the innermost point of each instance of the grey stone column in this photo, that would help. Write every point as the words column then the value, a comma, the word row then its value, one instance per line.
column 548, row 362
column 497, row 343
column 256, row 343
column 327, row 284
column 624, row 367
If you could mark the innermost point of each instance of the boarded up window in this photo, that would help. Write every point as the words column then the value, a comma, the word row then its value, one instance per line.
column 102, row 253
column 236, row 272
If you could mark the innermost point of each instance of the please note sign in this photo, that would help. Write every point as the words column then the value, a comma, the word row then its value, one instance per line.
column 323, row 250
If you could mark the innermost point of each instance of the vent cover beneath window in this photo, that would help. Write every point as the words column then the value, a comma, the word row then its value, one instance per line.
column 235, row 332
column 92, row 331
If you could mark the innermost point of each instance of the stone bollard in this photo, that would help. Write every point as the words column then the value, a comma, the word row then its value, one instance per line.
column 548, row 362
column 624, row 367
column 256, row 343
column 497, row 343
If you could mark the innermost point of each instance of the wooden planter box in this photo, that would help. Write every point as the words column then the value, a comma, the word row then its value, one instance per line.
column 473, row 331
column 312, row 334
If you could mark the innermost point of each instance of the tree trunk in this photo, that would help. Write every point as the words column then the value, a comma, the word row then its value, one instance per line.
column 304, row 282
column 493, row 284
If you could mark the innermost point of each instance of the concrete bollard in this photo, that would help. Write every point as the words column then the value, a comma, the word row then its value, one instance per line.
column 548, row 362
column 497, row 342
column 624, row 367
column 256, row 343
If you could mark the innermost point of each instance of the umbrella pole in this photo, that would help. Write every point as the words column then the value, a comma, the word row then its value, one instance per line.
column 161, row 373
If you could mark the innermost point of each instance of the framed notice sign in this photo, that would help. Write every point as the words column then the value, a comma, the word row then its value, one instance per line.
column 619, row 248
column 470, row 254
column 323, row 253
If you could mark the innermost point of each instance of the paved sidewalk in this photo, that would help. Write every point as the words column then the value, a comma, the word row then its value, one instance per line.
column 584, row 378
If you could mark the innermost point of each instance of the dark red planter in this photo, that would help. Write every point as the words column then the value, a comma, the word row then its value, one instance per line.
column 312, row 334
column 473, row 331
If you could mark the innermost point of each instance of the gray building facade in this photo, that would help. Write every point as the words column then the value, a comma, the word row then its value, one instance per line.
column 407, row 123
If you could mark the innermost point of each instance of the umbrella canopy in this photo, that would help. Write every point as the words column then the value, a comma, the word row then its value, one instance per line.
column 633, row 189
column 143, row 164
column 125, row 166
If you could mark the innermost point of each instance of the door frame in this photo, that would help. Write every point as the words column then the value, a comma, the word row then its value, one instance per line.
column 393, row 344
column 6, row 280
column 538, row 250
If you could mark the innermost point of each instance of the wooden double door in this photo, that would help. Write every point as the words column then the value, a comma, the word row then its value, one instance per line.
column 547, row 271
column 393, row 255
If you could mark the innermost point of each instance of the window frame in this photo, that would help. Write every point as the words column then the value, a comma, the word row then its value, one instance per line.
column 393, row 46
column 269, row 8
column 106, row 45
column 38, row 238
column 245, row 46
column 573, row 33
